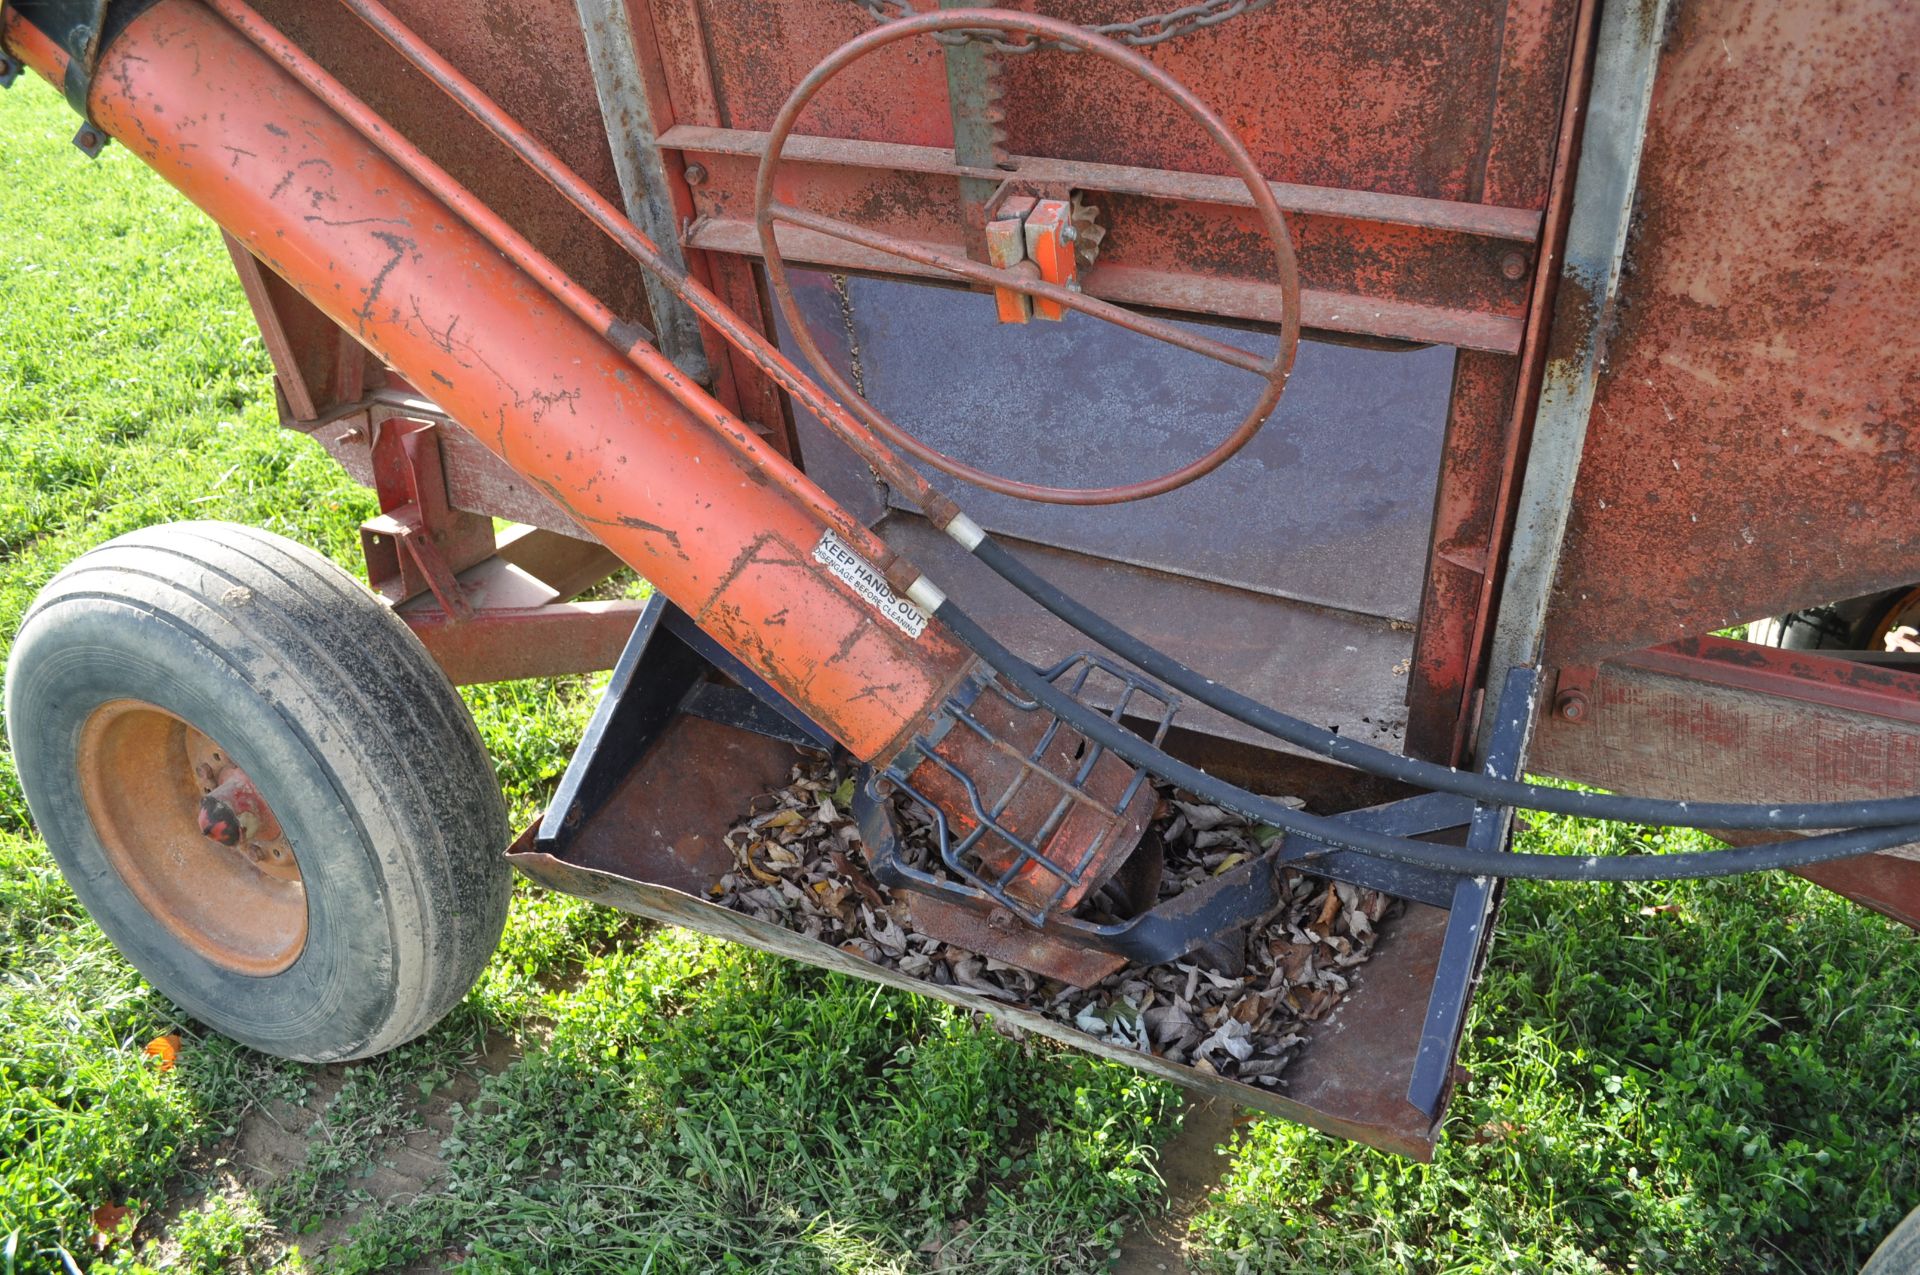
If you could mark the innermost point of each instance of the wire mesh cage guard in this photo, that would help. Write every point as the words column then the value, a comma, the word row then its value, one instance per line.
column 1043, row 815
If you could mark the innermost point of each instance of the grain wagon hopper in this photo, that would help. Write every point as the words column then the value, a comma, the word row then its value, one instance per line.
column 1125, row 465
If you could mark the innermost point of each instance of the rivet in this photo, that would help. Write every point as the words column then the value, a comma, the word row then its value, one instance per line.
column 1514, row 265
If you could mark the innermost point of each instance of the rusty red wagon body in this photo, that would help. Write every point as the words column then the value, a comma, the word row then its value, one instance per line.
column 1595, row 324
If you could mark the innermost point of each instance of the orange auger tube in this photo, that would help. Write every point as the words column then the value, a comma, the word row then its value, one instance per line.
column 707, row 524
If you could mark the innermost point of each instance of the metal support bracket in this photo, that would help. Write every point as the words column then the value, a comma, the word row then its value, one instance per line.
column 641, row 167
column 419, row 542
column 1626, row 60
column 1007, row 248
column 1469, row 920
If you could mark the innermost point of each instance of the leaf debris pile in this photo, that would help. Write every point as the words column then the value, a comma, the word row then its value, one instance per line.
column 1238, row 1013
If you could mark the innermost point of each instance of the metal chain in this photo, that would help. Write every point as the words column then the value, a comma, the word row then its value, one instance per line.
column 1140, row 33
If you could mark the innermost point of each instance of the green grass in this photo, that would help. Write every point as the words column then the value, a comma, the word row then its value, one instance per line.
column 1715, row 1076
column 1703, row 1078
column 679, row 1103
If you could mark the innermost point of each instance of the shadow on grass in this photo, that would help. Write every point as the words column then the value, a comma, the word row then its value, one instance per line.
column 700, row 1107
column 1698, row 1077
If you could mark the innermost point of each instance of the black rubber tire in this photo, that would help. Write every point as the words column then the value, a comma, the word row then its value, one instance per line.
column 1838, row 626
column 1899, row 1253
column 358, row 742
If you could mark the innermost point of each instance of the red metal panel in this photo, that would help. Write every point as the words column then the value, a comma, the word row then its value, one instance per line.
column 529, row 54
column 1389, row 97
column 1361, row 94
column 1730, row 721
column 1464, row 527
column 1733, row 722
column 1753, row 445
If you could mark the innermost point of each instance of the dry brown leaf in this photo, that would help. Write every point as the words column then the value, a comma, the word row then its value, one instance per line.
column 164, row 1049
column 1495, row 1131
column 1251, row 1010
column 111, row 1222
column 1236, row 1018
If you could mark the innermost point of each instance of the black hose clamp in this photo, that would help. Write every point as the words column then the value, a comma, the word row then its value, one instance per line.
column 83, row 28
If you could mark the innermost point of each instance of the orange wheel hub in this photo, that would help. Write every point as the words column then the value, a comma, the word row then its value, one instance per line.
column 193, row 839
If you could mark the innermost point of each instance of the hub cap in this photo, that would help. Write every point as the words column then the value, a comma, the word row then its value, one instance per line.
column 192, row 838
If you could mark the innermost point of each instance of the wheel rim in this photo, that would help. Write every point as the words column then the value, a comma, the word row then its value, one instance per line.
column 1904, row 612
column 191, row 837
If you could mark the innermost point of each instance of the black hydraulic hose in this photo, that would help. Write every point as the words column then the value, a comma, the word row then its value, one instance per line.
column 1879, row 813
column 1109, row 734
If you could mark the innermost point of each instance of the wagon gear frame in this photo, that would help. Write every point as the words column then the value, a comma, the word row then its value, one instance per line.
column 1440, row 411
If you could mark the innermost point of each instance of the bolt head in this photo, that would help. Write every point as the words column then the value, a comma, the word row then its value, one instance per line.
column 1571, row 705
column 1514, row 266
column 696, row 175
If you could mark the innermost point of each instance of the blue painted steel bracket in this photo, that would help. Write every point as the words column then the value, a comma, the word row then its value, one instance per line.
column 1464, row 948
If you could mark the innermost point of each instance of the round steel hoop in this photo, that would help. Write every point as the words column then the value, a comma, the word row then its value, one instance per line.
column 767, row 213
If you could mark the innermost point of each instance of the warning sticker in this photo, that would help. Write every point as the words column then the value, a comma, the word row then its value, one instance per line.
column 837, row 556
